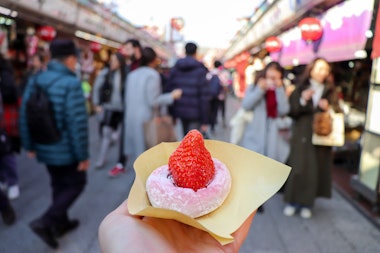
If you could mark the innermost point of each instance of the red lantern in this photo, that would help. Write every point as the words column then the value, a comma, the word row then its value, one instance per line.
column 273, row 44
column 177, row 23
column 311, row 29
column 95, row 47
column 47, row 33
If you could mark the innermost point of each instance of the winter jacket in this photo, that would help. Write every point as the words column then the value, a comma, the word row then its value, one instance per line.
column 189, row 75
column 70, row 114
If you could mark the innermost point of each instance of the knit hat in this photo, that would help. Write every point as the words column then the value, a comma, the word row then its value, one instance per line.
column 62, row 48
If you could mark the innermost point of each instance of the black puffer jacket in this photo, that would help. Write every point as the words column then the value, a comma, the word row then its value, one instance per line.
column 189, row 75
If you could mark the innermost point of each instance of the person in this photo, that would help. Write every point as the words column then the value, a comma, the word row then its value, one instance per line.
column 311, row 165
column 131, row 50
column 189, row 75
column 120, row 231
column 255, row 64
column 269, row 103
column 6, row 209
column 109, row 102
column 218, row 102
column 68, row 159
column 9, row 172
column 143, row 96
column 37, row 64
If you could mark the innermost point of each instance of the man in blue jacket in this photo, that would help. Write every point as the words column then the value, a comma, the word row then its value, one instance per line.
column 189, row 75
column 67, row 160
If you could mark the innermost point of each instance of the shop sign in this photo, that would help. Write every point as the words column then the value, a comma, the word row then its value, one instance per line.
column 279, row 14
column 90, row 21
column 62, row 10
column 29, row 4
column 344, row 35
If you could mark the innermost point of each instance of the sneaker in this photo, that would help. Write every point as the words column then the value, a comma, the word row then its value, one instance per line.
column 289, row 210
column 13, row 192
column 116, row 171
column 306, row 213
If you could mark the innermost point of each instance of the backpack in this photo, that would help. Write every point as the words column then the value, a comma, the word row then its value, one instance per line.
column 215, row 86
column 40, row 116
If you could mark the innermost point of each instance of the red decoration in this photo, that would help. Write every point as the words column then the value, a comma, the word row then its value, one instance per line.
column 311, row 29
column 47, row 33
column 95, row 47
column 177, row 23
column 273, row 44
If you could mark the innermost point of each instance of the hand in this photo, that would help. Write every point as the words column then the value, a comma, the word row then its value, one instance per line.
column 84, row 165
column 307, row 94
column 262, row 83
column 176, row 94
column 121, row 232
column 324, row 104
column 98, row 109
column 31, row 154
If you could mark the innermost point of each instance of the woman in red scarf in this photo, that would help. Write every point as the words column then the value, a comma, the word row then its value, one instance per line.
column 269, row 103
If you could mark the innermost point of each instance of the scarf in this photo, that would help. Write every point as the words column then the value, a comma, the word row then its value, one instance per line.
column 271, row 103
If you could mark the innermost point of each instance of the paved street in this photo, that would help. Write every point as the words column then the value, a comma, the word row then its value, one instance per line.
column 335, row 227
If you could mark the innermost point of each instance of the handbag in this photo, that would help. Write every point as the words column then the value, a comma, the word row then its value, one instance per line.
column 336, row 136
column 322, row 123
column 159, row 129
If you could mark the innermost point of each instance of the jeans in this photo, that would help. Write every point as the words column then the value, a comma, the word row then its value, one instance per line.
column 8, row 169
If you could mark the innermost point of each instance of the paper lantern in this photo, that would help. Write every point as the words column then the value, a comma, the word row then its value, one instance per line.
column 95, row 47
column 47, row 33
column 273, row 44
column 177, row 23
column 311, row 29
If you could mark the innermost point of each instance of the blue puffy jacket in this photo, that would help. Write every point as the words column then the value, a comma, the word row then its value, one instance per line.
column 189, row 75
column 68, row 102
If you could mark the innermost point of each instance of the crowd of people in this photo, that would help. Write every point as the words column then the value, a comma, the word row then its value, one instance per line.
column 127, row 92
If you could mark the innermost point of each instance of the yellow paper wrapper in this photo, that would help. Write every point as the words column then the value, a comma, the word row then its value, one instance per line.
column 255, row 178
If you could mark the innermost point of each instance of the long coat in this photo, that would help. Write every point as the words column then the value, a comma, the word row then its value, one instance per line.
column 262, row 134
column 142, row 95
column 310, row 176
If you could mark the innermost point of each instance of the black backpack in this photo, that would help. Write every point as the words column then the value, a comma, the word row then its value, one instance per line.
column 215, row 86
column 40, row 115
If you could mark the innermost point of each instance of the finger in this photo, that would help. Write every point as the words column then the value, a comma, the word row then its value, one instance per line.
column 241, row 234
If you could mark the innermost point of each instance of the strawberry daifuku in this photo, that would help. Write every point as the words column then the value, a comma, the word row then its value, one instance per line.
column 193, row 182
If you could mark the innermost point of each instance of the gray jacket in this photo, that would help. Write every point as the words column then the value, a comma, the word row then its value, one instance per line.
column 263, row 134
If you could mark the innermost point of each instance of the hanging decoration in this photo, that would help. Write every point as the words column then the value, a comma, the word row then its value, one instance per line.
column 95, row 47
column 273, row 44
column 47, row 33
column 311, row 29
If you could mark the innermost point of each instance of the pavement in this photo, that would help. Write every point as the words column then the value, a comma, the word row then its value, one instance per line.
column 336, row 226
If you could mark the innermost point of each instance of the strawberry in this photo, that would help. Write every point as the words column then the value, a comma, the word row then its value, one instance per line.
column 191, row 165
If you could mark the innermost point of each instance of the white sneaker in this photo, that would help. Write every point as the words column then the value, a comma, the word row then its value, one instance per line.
column 306, row 213
column 13, row 192
column 289, row 210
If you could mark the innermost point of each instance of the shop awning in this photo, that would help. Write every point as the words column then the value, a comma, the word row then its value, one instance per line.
column 376, row 39
column 344, row 36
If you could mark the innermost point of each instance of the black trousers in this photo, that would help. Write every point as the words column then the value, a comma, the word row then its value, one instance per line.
column 67, row 184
